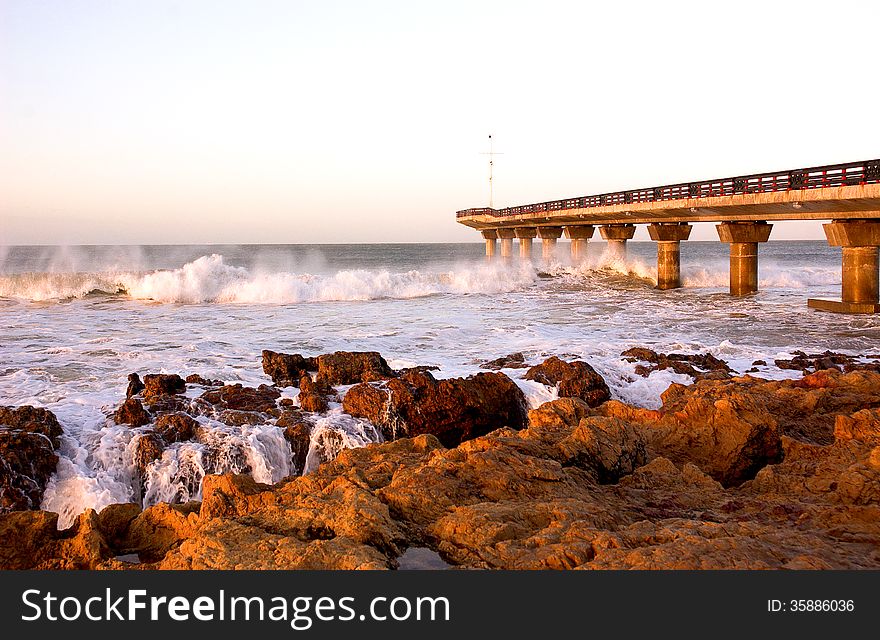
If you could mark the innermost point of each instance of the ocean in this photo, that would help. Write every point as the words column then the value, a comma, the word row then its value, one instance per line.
column 77, row 320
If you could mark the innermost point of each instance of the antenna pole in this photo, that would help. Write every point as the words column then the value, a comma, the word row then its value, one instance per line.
column 491, row 163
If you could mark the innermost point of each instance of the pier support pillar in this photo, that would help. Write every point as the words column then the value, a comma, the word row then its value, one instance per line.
column 859, row 241
column 507, row 236
column 549, row 236
column 616, row 235
column 525, row 235
column 489, row 235
column 743, row 238
column 668, row 238
column 580, row 237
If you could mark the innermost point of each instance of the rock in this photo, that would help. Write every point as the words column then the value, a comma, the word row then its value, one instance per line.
column 231, row 495
column 239, row 398
column 453, row 410
column 575, row 379
column 176, row 427
column 160, row 528
column 312, row 395
column 195, row 378
column 759, row 363
column 27, row 461
column 513, row 361
column 149, row 448
column 703, row 366
column 32, row 420
column 114, row 521
column 132, row 412
column 135, row 386
column 298, row 435
column 26, row 536
column 162, row 384
column 286, row 369
column 28, row 439
column 352, row 367
column 811, row 363
column 558, row 413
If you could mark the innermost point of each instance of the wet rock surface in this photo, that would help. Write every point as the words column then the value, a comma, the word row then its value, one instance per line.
column 28, row 439
column 511, row 361
column 575, row 379
column 811, row 363
column 453, row 410
column 703, row 366
column 733, row 473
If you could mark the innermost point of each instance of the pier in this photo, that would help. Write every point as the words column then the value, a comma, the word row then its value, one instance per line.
column 743, row 208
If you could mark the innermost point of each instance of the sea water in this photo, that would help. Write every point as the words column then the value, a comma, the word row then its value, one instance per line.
column 77, row 320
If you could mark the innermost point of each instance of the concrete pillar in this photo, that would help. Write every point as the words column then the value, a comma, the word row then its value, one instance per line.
column 743, row 238
column 616, row 235
column 579, row 237
column 668, row 238
column 549, row 236
column 525, row 235
column 507, row 236
column 860, row 288
column 489, row 235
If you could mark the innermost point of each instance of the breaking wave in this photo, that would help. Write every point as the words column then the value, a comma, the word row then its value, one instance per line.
column 209, row 279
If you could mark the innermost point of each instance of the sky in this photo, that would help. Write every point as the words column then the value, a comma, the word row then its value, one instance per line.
column 125, row 122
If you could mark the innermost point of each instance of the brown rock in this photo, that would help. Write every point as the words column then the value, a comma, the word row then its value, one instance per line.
column 32, row 420
column 149, row 448
column 286, row 369
column 135, row 386
column 312, row 395
column 162, row 384
column 703, row 366
column 132, row 412
column 195, row 378
column 513, row 361
column 160, row 528
column 453, row 410
column 176, row 427
column 298, row 435
column 811, row 363
column 26, row 536
column 27, row 461
column 239, row 398
column 114, row 521
column 574, row 379
column 352, row 367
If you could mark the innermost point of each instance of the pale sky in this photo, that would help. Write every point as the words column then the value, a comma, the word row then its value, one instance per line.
column 293, row 122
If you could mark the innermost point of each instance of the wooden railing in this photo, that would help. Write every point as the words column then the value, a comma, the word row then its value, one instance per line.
column 836, row 175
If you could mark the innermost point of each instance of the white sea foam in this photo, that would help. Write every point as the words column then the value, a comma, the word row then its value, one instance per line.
column 210, row 279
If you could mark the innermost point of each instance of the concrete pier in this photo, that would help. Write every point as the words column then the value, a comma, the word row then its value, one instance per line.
column 549, row 236
column 580, row 238
column 525, row 235
column 616, row 235
column 668, row 237
column 860, row 288
column 507, row 236
column 490, row 235
column 743, row 238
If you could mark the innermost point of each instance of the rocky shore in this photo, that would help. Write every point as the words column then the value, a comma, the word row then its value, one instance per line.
column 732, row 472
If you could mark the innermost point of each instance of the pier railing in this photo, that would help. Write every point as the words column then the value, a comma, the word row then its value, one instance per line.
column 834, row 175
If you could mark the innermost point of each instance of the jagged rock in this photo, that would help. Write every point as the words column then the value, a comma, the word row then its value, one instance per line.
column 28, row 439
column 114, row 521
column 239, row 398
column 298, row 435
column 312, row 395
column 702, row 366
column 453, row 410
column 352, row 367
column 513, row 361
column 132, row 412
column 26, row 536
column 160, row 528
column 162, row 384
column 135, row 386
column 195, row 378
column 176, row 427
column 286, row 369
column 575, row 379
column 32, row 420
column 811, row 363
column 149, row 447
